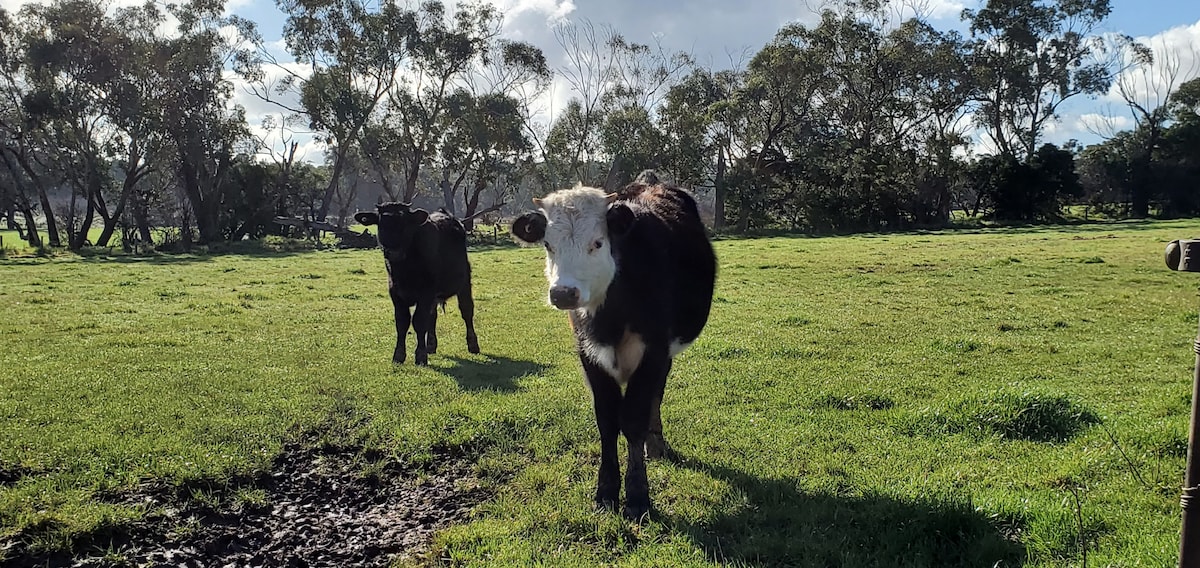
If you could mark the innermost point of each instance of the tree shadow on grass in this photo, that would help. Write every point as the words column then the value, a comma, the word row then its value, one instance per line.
column 778, row 525
column 1077, row 228
column 495, row 373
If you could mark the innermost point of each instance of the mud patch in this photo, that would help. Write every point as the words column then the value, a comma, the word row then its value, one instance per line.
column 313, row 509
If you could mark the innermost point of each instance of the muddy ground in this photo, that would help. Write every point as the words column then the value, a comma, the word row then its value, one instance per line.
column 315, row 508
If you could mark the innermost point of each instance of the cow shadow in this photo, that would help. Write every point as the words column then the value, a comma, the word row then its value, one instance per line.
column 776, row 524
column 496, row 372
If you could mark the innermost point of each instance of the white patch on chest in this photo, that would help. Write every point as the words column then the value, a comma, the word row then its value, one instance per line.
column 677, row 347
column 621, row 360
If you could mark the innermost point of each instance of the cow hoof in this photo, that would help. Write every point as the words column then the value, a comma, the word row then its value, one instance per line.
column 473, row 345
column 636, row 511
column 606, row 505
column 657, row 448
column 431, row 345
column 398, row 357
column 607, row 496
column 421, row 359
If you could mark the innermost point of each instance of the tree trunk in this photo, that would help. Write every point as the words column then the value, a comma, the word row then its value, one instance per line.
column 10, row 214
column 31, row 232
column 339, row 161
column 51, row 225
column 617, row 176
column 472, row 203
column 141, row 218
column 110, row 224
column 80, row 238
column 410, row 179
column 719, row 190
column 203, row 204
column 185, row 230
column 448, row 194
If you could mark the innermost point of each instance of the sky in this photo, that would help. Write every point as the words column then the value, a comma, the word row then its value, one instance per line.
column 713, row 29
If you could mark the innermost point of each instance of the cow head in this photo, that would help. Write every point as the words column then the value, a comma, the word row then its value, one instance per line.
column 398, row 223
column 576, row 226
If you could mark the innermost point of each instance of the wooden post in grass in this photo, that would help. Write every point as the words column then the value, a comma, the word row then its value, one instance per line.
column 1184, row 256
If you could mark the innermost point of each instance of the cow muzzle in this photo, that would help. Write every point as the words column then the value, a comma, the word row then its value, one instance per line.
column 564, row 297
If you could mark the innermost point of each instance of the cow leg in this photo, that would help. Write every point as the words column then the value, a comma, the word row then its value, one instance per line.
column 644, row 386
column 431, row 337
column 466, row 306
column 402, row 320
column 656, row 444
column 422, row 315
column 606, row 398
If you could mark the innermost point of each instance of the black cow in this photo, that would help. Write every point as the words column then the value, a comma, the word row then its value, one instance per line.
column 426, row 259
column 636, row 272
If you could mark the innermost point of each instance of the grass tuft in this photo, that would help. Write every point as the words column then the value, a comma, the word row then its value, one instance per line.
column 854, row 402
column 1013, row 416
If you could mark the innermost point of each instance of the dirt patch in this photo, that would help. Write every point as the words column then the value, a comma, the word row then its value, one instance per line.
column 314, row 509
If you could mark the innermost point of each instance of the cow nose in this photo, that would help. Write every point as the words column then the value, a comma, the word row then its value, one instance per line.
column 564, row 297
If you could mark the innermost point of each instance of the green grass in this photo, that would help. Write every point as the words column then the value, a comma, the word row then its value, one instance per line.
column 932, row 399
column 12, row 244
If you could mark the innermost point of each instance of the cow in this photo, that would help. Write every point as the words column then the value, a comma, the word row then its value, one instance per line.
column 426, row 259
column 635, row 272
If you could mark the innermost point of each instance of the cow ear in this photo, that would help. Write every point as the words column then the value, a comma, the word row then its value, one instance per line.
column 530, row 227
column 620, row 220
column 366, row 217
column 419, row 217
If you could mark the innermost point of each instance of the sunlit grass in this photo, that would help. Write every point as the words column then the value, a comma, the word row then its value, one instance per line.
column 897, row 400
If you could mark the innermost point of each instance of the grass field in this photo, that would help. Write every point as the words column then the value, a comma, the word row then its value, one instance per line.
column 942, row 399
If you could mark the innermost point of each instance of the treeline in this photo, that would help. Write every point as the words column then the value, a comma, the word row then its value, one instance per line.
column 123, row 120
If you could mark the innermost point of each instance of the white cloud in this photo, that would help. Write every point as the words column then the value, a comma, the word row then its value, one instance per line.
column 1176, row 60
column 553, row 10
column 929, row 9
column 1103, row 125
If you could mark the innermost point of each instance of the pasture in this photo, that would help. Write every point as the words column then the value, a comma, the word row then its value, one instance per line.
column 1010, row 397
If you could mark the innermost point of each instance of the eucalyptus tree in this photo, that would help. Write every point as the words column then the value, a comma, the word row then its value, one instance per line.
column 353, row 53
column 1029, row 57
column 204, row 129
column 73, row 61
column 445, row 49
column 485, row 134
column 1146, row 83
column 25, row 189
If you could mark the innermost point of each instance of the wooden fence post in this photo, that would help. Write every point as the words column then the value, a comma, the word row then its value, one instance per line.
column 1184, row 255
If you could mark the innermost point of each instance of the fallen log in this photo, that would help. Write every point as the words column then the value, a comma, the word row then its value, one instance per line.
column 346, row 237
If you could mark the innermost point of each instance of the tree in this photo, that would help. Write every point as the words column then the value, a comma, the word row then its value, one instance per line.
column 354, row 55
column 204, row 131
column 1028, row 191
column 74, row 57
column 486, row 131
column 1030, row 56
column 784, row 83
column 443, row 54
column 1145, row 85
column 26, row 189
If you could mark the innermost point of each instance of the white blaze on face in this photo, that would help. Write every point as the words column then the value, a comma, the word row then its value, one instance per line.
column 578, row 250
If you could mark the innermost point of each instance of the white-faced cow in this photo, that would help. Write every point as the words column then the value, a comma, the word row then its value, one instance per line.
column 426, row 259
column 635, row 272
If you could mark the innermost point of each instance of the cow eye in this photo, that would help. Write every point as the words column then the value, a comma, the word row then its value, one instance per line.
column 548, row 249
column 596, row 245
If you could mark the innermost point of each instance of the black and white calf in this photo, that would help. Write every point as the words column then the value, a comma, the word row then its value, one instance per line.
column 426, row 259
column 635, row 272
